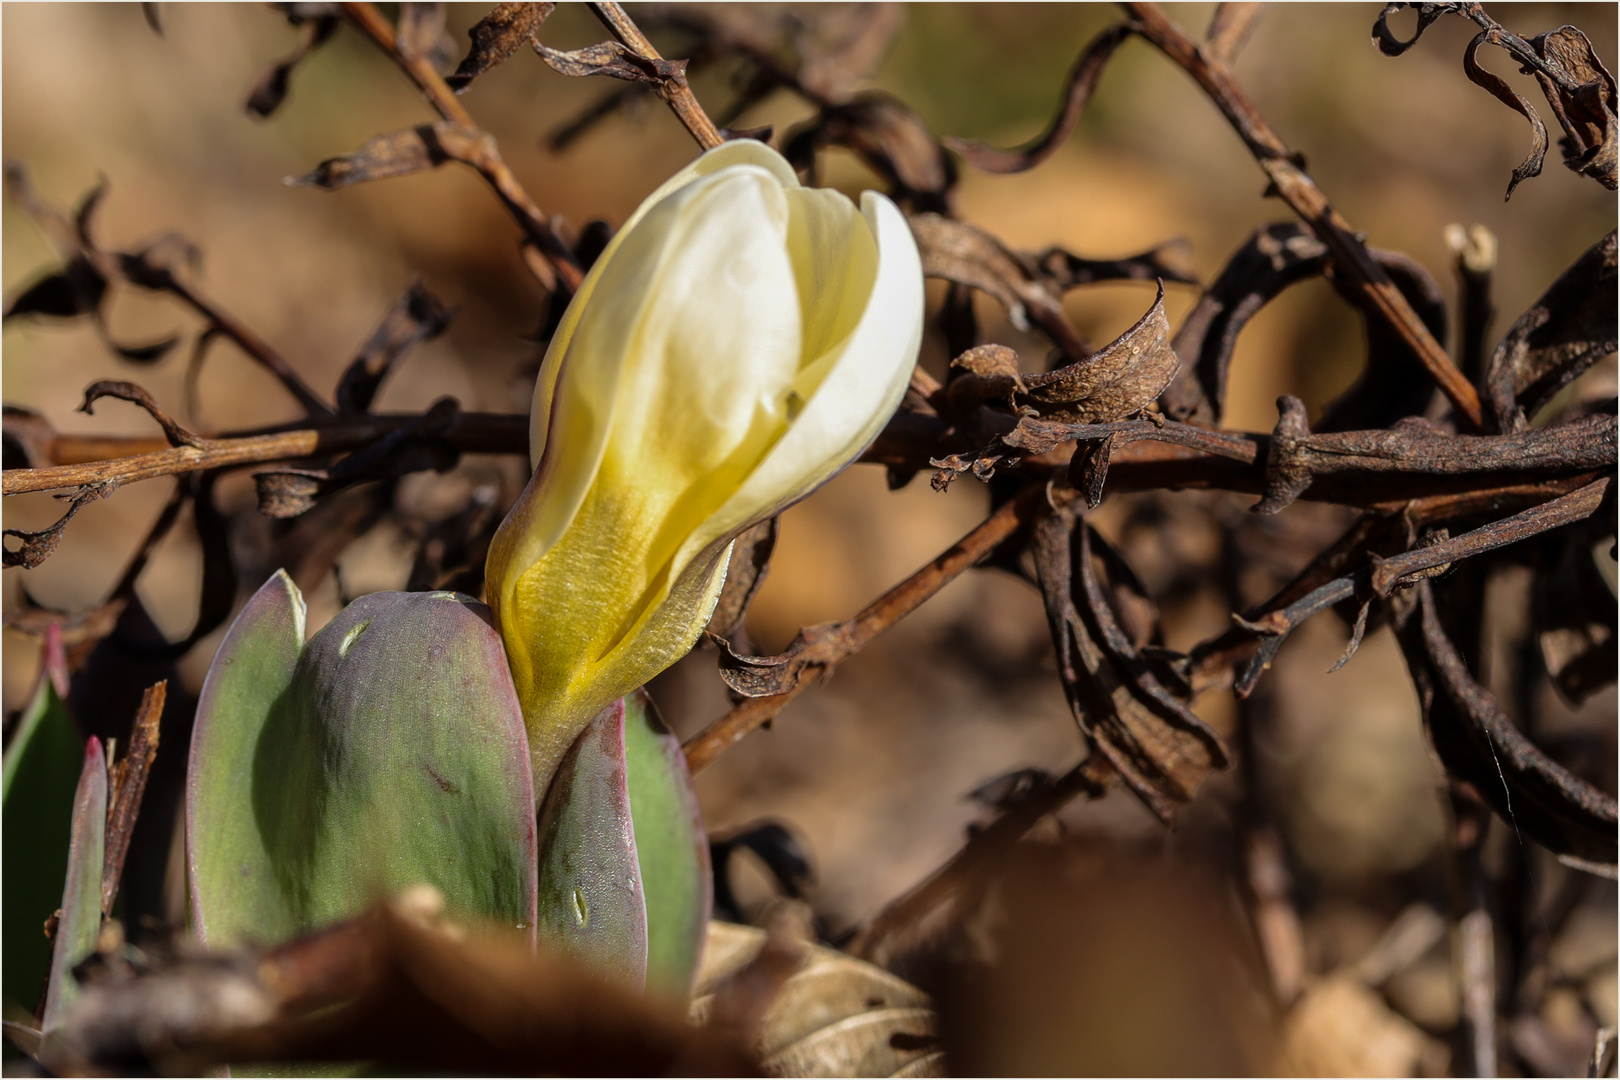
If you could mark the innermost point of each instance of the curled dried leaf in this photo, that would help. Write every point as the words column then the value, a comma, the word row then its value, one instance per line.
column 1568, row 329
column 1117, row 381
column 314, row 27
column 417, row 316
column 614, row 60
column 496, row 36
column 401, row 153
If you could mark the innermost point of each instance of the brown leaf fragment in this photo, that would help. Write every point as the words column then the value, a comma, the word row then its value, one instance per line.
column 1117, row 381
column 988, row 374
column 750, row 560
column 825, row 1013
column 1274, row 257
column 1499, row 89
column 495, row 37
column 128, row 391
column 36, row 547
column 959, row 252
column 417, row 447
column 1077, row 91
column 420, row 34
column 614, row 60
column 314, row 27
column 400, row 153
column 888, row 136
column 1088, row 469
column 1568, row 329
column 1581, row 92
column 1159, row 748
column 1427, row 16
column 1171, row 261
column 1480, row 744
column 417, row 316
column 77, row 289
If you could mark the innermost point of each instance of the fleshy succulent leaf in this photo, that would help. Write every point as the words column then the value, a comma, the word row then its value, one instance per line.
column 591, row 898
column 42, row 767
column 80, row 924
column 672, row 848
column 233, row 900
column 389, row 750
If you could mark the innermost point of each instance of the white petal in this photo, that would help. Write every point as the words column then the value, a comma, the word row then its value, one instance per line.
column 856, row 398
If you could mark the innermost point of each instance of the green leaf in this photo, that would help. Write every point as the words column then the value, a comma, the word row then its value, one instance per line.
column 41, row 772
column 672, row 848
column 591, row 901
column 624, row 860
column 80, row 924
column 389, row 750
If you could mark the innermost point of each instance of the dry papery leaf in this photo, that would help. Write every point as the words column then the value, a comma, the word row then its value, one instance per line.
column 832, row 1016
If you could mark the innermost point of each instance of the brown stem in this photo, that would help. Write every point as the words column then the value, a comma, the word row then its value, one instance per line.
column 675, row 91
column 478, row 433
column 955, row 888
column 128, row 786
column 253, row 345
column 1299, row 191
column 1473, row 937
column 850, row 637
column 369, row 21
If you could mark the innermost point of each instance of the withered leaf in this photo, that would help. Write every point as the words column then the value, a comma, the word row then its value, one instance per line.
column 1170, row 261
column 832, row 1016
column 1118, row 380
column 416, row 447
column 1159, row 748
column 420, row 34
column 1567, row 330
column 1499, row 89
column 417, row 316
column 777, row 846
column 313, row 28
column 1479, row 743
column 614, row 60
column 75, row 290
column 1583, row 99
column 963, row 253
column 750, row 559
column 400, row 153
column 496, row 37
column 885, row 133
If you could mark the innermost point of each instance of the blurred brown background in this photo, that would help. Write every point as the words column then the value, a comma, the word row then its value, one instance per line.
column 872, row 769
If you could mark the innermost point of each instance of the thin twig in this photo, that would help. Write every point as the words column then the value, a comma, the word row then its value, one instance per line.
column 366, row 18
column 128, row 783
column 682, row 102
column 1300, row 192
column 473, row 433
column 846, row 638
column 252, row 344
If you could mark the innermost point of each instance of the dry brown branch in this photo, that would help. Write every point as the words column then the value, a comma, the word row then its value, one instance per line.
column 1295, row 186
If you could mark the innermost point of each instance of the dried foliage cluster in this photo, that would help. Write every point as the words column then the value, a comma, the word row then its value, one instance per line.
column 1453, row 462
